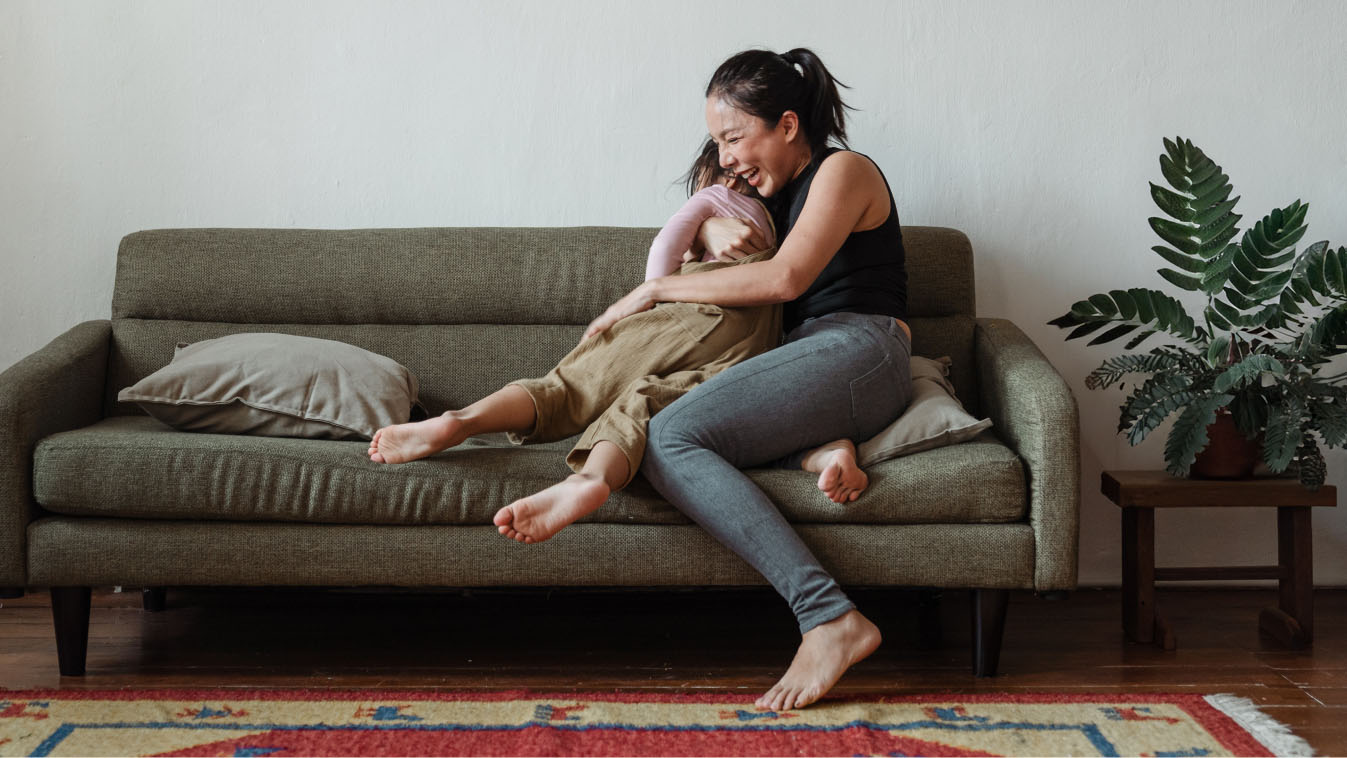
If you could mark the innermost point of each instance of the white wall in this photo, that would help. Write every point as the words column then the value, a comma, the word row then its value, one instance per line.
column 1032, row 126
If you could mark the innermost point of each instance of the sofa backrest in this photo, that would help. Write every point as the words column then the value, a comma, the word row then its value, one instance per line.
column 466, row 309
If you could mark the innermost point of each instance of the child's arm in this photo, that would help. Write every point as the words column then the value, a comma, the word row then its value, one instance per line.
column 677, row 236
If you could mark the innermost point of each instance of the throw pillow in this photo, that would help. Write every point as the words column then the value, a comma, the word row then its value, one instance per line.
column 277, row 385
column 934, row 418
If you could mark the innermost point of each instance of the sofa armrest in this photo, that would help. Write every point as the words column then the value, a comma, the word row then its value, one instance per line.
column 58, row 388
column 1034, row 412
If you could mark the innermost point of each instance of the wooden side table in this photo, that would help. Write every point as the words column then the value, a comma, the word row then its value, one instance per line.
column 1139, row 493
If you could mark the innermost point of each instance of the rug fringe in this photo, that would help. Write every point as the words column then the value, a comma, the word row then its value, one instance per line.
column 1274, row 735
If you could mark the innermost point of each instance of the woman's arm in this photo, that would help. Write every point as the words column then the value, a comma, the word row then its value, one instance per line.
column 848, row 194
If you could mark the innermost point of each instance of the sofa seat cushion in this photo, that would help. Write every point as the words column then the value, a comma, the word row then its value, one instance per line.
column 137, row 467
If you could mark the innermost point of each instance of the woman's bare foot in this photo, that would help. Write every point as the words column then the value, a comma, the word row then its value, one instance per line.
column 540, row 516
column 825, row 653
column 400, row 443
column 839, row 476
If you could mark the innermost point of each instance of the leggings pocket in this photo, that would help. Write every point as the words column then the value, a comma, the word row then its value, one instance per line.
column 875, row 399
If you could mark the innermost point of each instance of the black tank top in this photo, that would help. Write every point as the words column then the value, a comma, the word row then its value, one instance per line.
column 867, row 275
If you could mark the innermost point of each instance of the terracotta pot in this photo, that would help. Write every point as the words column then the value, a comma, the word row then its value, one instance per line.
column 1228, row 454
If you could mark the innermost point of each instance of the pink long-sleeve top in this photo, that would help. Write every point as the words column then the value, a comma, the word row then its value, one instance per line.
column 666, row 252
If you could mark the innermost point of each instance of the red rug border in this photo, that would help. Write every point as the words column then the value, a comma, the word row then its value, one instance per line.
column 1234, row 737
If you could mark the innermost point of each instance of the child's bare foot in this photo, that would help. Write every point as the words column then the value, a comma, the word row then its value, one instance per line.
column 541, row 515
column 400, row 443
column 825, row 653
column 839, row 476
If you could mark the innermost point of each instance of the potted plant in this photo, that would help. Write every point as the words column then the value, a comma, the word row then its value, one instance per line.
column 1273, row 318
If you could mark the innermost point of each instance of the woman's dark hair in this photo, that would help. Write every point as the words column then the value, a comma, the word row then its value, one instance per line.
column 767, row 85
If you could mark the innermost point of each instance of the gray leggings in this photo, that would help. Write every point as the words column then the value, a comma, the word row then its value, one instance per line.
column 838, row 375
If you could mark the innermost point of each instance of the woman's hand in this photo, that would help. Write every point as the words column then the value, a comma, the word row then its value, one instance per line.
column 640, row 299
column 730, row 239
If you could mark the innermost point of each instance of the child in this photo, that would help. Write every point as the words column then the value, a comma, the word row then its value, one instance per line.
column 610, row 385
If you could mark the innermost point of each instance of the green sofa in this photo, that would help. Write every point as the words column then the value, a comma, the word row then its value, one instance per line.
column 94, row 492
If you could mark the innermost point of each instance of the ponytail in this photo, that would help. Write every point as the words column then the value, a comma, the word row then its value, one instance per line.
column 767, row 85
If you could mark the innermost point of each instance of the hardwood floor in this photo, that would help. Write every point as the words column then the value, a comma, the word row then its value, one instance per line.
column 661, row 640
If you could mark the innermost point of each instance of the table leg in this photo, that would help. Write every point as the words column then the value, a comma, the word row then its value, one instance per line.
column 1292, row 621
column 1138, row 573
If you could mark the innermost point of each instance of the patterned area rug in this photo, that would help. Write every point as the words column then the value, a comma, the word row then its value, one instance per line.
column 378, row 723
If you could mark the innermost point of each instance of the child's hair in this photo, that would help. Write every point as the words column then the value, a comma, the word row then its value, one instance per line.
column 706, row 171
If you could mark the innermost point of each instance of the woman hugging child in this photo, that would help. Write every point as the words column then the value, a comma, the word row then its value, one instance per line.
column 610, row 385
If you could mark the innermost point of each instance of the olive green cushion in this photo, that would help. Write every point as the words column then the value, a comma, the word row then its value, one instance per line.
column 135, row 466
column 277, row 385
column 933, row 418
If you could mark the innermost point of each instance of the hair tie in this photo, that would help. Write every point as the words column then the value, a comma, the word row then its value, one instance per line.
column 798, row 68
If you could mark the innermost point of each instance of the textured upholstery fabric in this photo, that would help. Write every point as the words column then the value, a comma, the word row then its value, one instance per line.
column 438, row 299
column 138, row 467
column 46, row 392
column 934, row 418
column 83, row 551
column 476, row 275
column 1034, row 411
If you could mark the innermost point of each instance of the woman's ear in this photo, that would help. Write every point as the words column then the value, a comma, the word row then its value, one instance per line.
column 789, row 124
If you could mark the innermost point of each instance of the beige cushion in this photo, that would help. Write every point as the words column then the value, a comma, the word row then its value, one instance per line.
column 277, row 385
column 934, row 418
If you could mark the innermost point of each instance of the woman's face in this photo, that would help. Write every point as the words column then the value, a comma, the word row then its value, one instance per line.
column 767, row 157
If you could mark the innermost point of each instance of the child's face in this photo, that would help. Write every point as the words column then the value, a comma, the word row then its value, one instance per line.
column 735, row 183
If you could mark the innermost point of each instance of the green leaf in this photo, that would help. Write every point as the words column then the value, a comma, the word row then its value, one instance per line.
column 1190, row 283
column 1105, row 304
column 1189, row 433
column 1212, row 198
column 1333, row 275
column 1247, row 371
column 1217, row 320
column 1216, row 228
column 1173, row 174
column 1331, row 418
column 1218, row 350
column 1152, row 403
column 1137, row 340
column 1083, row 310
column 1206, row 183
column 1085, row 329
column 1189, row 263
column 1113, row 334
column 1173, row 204
column 1214, row 212
column 1127, row 309
column 1214, row 245
column 1145, row 310
column 1243, row 275
column 1181, row 236
column 1229, row 313
column 1283, row 433
column 1239, row 300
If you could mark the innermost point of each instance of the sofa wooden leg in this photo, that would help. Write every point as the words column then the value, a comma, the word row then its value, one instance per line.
column 70, row 612
column 989, row 620
column 154, row 598
column 930, row 630
column 11, row 593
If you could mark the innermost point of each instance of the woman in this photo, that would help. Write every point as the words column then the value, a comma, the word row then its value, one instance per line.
column 842, row 371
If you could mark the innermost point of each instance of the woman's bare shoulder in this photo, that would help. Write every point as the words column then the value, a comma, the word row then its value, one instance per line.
column 851, row 166
column 857, row 179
